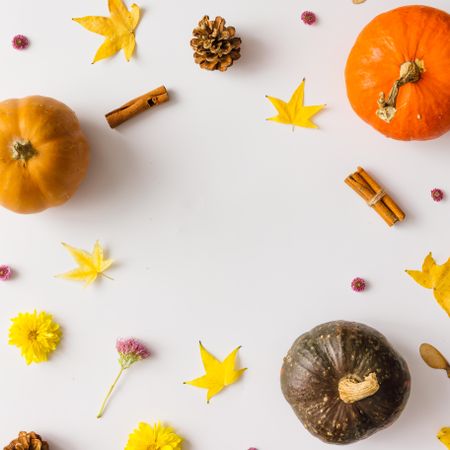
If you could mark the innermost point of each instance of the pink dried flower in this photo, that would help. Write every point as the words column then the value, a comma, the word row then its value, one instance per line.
column 252, row 448
column 358, row 284
column 5, row 273
column 308, row 17
column 130, row 351
column 437, row 194
column 20, row 42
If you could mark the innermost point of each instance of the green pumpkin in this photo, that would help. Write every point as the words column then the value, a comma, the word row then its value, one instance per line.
column 344, row 381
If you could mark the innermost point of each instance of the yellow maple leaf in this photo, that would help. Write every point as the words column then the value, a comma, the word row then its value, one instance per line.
column 90, row 265
column 436, row 277
column 444, row 436
column 118, row 29
column 218, row 374
column 294, row 112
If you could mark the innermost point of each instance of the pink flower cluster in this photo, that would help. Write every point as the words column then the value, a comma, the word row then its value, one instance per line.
column 437, row 194
column 20, row 42
column 308, row 17
column 358, row 284
column 130, row 351
column 5, row 273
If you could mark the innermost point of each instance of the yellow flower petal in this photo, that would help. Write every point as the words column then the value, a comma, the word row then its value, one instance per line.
column 156, row 437
column 35, row 334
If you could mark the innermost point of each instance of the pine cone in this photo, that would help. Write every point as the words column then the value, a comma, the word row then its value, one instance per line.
column 215, row 45
column 27, row 441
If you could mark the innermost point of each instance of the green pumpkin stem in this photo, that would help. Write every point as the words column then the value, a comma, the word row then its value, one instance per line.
column 352, row 389
column 410, row 72
column 22, row 150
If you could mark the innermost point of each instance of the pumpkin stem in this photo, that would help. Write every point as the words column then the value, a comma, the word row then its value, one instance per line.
column 410, row 72
column 22, row 150
column 352, row 388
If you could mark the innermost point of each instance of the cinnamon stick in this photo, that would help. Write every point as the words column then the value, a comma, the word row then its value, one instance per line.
column 368, row 189
column 387, row 200
column 136, row 106
column 379, row 206
column 366, row 193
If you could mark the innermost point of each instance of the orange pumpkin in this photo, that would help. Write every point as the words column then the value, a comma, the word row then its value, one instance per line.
column 43, row 154
column 398, row 73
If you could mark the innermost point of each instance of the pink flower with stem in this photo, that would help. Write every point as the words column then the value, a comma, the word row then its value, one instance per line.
column 130, row 351
column 5, row 273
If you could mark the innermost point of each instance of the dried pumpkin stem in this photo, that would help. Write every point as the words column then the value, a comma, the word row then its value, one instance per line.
column 410, row 72
column 22, row 150
column 352, row 389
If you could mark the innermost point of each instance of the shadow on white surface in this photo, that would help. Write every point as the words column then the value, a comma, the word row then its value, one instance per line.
column 59, row 442
column 253, row 53
column 112, row 170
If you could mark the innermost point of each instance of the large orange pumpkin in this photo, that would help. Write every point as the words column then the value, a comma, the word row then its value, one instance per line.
column 43, row 154
column 398, row 73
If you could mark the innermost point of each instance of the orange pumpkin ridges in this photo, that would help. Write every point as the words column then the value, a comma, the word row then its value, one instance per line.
column 397, row 73
column 43, row 154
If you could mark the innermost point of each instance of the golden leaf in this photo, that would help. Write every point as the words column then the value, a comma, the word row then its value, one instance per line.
column 294, row 112
column 90, row 266
column 218, row 374
column 118, row 29
column 444, row 436
column 436, row 277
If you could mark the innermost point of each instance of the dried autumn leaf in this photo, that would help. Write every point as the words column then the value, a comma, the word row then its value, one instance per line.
column 118, row 29
column 436, row 277
column 218, row 374
column 444, row 436
column 90, row 265
column 294, row 112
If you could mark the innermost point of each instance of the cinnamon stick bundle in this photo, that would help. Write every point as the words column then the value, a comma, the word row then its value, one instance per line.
column 375, row 197
column 136, row 106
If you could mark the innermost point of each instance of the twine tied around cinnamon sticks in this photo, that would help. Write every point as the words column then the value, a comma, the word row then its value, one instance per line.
column 375, row 197
column 136, row 106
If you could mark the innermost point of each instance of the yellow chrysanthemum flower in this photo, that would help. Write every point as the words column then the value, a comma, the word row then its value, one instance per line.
column 156, row 437
column 36, row 334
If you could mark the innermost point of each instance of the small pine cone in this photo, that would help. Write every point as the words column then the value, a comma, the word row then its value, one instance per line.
column 216, row 47
column 27, row 441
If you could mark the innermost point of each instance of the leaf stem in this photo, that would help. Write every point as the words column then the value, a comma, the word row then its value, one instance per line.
column 106, row 276
column 102, row 409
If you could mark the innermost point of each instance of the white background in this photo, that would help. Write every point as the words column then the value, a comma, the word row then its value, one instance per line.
column 225, row 228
